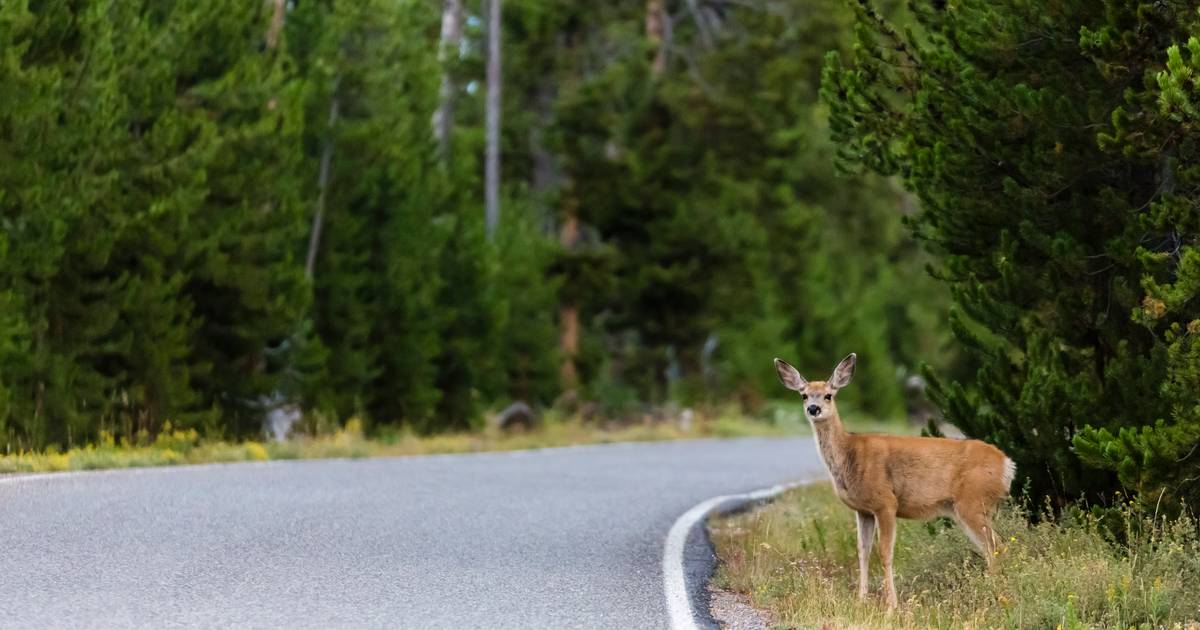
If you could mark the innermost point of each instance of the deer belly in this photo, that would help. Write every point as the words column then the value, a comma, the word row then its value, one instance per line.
column 851, row 499
column 924, row 511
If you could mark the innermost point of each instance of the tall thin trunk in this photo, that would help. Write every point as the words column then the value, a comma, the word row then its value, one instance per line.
column 657, row 33
column 702, row 26
column 546, row 174
column 568, row 312
column 451, row 40
column 492, row 169
column 314, row 239
column 279, row 10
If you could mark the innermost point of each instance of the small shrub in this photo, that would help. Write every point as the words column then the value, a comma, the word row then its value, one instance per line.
column 256, row 452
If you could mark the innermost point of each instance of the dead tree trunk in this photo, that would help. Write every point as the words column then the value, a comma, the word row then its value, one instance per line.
column 492, row 167
column 314, row 239
column 451, row 39
column 546, row 174
column 279, row 10
column 657, row 32
column 568, row 312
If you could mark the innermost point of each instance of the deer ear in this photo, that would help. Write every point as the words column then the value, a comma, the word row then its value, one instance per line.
column 788, row 375
column 843, row 372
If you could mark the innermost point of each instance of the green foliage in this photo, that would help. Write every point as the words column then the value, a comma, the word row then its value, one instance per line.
column 1159, row 457
column 162, row 177
column 714, row 185
column 377, row 269
column 143, row 274
column 1049, row 155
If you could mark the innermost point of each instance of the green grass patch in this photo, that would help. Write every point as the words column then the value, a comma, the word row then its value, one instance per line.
column 175, row 447
column 796, row 558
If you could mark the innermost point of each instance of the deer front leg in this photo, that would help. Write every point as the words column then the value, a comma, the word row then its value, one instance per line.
column 866, row 540
column 887, row 543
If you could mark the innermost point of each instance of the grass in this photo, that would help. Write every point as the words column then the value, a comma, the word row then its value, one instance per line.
column 796, row 558
column 175, row 447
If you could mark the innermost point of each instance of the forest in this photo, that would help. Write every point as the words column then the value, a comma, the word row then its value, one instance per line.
column 415, row 212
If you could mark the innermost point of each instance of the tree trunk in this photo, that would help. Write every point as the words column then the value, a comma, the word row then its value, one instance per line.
column 492, row 170
column 546, row 174
column 702, row 25
column 276, row 26
column 657, row 34
column 568, row 312
column 451, row 40
column 314, row 239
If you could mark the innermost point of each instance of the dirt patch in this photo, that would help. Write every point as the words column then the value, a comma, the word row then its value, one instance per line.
column 733, row 611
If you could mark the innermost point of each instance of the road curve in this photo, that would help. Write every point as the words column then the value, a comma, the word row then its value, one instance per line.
column 554, row 538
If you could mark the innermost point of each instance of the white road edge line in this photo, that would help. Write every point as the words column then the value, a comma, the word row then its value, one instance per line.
column 680, row 614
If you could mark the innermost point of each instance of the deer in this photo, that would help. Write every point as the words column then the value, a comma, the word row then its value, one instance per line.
column 884, row 477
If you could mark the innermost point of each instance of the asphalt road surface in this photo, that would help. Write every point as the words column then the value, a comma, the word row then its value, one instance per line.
column 556, row 538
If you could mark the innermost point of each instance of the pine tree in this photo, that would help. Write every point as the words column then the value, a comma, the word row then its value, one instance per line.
column 107, row 337
column 244, row 274
column 731, row 231
column 1013, row 124
column 1155, row 125
column 377, row 273
column 152, row 275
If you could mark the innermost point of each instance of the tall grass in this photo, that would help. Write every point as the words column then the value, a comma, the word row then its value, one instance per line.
column 797, row 559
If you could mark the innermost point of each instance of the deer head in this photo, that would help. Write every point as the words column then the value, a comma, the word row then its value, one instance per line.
column 819, row 396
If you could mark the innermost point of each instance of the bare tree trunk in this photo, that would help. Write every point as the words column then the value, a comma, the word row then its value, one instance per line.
column 568, row 312
column 702, row 26
column 443, row 117
column 492, row 169
column 569, row 323
column 546, row 174
column 276, row 25
column 314, row 239
column 657, row 28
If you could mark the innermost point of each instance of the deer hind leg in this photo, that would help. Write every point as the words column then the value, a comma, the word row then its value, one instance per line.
column 866, row 540
column 887, row 543
column 977, row 523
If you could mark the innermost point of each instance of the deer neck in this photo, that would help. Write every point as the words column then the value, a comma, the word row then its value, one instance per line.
column 831, row 440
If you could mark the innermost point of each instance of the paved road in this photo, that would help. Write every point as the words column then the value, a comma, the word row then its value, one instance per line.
column 557, row 538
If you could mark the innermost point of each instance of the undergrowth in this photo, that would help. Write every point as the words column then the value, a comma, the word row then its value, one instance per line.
column 796, row 558
column 177, row 446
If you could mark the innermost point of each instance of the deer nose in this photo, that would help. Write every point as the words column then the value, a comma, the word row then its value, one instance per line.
column 814, row 410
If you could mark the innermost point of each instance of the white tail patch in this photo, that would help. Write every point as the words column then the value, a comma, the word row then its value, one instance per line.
column 1010, row 472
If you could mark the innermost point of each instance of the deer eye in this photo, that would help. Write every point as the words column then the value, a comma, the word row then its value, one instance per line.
column 828, row 396
column 804, row 396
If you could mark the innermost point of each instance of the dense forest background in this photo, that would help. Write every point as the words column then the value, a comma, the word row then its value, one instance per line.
column 416, row 211
column 669, row 215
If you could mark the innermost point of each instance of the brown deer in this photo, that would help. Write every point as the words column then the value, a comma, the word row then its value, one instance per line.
column 882, row 477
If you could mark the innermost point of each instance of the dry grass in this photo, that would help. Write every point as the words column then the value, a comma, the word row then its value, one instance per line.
column 175, row 447
column 797, row 559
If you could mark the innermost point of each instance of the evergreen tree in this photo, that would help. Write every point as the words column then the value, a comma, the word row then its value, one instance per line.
column 1018, row 128
column 377, row 273
column 244, row 275
column 714, row 186
column 1154, row 126
column 135, row 208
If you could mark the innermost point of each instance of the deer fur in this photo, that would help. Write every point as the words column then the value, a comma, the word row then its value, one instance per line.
column 885, row 477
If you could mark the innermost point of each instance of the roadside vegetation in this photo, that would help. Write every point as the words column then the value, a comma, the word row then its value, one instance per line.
column 175, row 446
column 1054, row 153
column 1122, row 567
